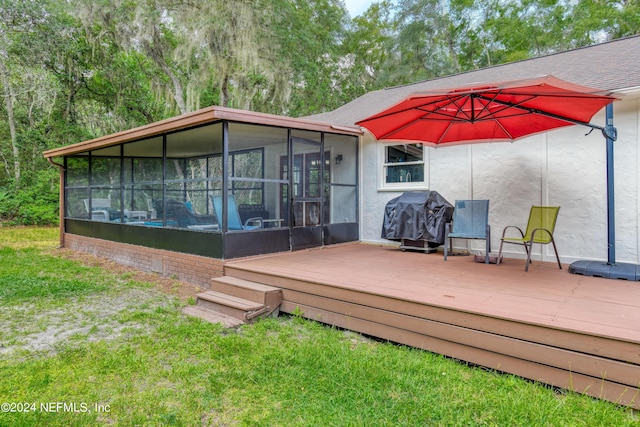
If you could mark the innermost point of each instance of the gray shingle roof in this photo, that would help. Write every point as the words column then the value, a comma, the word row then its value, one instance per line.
column 610, row 66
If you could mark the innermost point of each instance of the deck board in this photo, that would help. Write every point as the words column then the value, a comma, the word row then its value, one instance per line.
column 547, row 324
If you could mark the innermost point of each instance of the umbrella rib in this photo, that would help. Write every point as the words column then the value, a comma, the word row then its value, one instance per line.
column 451, row 119
column 394, row 113
column 459, row 115
column 506, row 132
column 403, row 110
column 444, row 133
column 528, row 110
column 422, row 108
column 489, row 100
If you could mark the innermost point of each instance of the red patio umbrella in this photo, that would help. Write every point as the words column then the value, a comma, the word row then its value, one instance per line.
column 487, row 112
column 507, row 111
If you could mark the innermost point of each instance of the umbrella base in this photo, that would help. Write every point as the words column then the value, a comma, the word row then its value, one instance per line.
column 605, row 270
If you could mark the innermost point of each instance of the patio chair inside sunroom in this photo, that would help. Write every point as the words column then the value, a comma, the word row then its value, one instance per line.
column 161, row 189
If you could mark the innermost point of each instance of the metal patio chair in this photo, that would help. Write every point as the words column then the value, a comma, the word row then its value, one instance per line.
column 470, row 221
column 540, row 228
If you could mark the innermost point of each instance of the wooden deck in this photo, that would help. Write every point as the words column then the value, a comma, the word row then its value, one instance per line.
column 570, row 331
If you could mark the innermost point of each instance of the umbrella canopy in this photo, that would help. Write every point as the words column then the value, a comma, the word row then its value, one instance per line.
column 488, row 112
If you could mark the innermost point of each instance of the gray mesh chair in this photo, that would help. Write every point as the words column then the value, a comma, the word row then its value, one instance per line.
column 233, row 215
column 470, row 221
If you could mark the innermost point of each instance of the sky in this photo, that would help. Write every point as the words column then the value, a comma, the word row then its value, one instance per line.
column 356, row 7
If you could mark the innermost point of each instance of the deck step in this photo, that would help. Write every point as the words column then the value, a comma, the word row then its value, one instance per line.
column 212, row 316
column 238, row 298
column 245, row 289
column 230, row 305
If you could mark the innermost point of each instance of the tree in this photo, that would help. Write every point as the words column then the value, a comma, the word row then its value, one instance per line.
column 32, row 47
column 594, row 21
column 141, row 30
column 520, row 30
column 440, row 37
column 428, row 33
column 9, row 96
column 18, row 23
column 226, row 45
column 366, row 48
column 305, row 37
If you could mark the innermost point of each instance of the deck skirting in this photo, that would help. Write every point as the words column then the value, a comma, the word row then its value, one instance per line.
column 586, row 362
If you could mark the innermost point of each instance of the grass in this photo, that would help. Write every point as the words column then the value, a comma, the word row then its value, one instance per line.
column 120, row 353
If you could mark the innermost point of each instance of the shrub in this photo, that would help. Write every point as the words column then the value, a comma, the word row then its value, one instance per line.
column 35, row 204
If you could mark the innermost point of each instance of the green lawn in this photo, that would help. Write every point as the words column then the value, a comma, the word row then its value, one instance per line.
column 81, row 345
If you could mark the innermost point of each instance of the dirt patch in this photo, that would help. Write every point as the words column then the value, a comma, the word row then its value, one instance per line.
column 41, row 328
column 87, row 319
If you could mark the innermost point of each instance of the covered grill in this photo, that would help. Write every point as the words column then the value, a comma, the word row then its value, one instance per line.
column 417, row 219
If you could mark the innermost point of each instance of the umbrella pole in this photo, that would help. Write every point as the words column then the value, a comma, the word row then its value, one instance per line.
column 610, row 269
column 609, row 133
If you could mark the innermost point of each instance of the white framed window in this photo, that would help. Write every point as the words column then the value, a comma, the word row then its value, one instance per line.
column 403, row 166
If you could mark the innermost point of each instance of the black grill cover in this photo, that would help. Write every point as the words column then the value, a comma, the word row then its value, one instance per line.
column 417, row 215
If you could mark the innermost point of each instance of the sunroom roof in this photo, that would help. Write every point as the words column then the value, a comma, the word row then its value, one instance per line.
column 200, row 117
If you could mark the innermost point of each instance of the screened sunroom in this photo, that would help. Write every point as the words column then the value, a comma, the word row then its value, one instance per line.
column 219, row 182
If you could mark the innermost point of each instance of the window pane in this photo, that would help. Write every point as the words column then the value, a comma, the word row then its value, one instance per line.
column 193, row 173
column 247, row 164
column 259, row 200
column 77, row 171
column 143, row 186
column 105, row 171
column 142, row 198
column 404, row 163
column 145, row 170
column 248, row 192
column 343, row 157
column 405, row 173
column 404, row 153
column 215, row 167
column 245, row 137
column 344, row 205
column 196, row 168
column 195, row 142
column 175, row 169
column 75, row 205
column 146, row 148
column 104, row 204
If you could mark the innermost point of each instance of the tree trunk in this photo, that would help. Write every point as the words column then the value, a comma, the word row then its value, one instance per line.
column 156, row 54
column 177, row 86
column 224, row 91
column 9, row 97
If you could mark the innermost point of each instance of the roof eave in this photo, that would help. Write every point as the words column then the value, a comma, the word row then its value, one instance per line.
column 203, row 116
column 627, row 92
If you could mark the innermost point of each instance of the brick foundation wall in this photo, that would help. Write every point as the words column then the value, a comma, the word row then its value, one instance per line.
column 190, row 268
